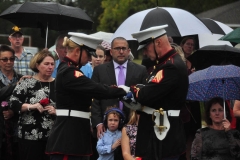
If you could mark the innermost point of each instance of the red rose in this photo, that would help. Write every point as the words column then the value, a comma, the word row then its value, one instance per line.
column 44, row 102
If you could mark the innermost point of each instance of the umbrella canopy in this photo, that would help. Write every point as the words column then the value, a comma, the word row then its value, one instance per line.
column 216, row 27
column 215, row 81
column 106, row 38
column 214, row 55
column 104, row 35
column 47, row 15
column 211, row 39
column 180, row 22
column 233, row 36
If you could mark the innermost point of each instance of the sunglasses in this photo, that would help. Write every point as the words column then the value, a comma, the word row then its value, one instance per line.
column 6, row 59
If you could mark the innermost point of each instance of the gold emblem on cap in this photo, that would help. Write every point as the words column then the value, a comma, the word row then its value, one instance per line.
column 16, row 29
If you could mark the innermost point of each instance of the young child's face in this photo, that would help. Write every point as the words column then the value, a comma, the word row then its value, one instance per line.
column 113, row 122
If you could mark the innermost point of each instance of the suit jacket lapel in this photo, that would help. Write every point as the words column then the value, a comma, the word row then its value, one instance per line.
column 111, row 73
column 130, row 70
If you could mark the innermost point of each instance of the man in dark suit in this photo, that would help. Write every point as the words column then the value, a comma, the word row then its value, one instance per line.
column 107, row 73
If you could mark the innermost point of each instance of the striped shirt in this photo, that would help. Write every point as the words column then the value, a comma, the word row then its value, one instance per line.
column 21, row 65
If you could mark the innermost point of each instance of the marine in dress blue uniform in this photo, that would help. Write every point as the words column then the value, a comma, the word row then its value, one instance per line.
column 70, row 136
column 166, row 88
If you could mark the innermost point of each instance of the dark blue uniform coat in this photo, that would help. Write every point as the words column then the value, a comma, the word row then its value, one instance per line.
column 74, row 91
column 166, row 88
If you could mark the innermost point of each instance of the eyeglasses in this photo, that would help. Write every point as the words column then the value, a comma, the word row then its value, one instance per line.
column 120, row 48
column 15, row 37
column 6, row 59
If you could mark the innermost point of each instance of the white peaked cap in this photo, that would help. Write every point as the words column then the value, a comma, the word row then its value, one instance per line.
column 85, row 40
column 145, row 36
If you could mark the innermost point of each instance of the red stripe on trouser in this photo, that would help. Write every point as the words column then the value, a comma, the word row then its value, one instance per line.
column 65, row 157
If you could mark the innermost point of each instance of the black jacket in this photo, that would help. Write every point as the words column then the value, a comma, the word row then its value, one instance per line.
column 105, row 73
column 166, row 88
column 74, row 91
column 5, row 93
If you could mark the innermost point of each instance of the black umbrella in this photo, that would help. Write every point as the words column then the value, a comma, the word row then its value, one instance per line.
column 215, row 55
column 47, row 15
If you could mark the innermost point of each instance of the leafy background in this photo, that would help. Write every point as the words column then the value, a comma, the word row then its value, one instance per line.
column 106, row 14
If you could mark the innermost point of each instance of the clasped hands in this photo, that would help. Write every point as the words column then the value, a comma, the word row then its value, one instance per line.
column 40, row 108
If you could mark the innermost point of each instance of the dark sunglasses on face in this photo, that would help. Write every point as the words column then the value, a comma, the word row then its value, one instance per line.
column 6, row 59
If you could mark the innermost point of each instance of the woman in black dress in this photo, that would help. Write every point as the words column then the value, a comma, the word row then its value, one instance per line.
column 34, row 100
column 217, row 141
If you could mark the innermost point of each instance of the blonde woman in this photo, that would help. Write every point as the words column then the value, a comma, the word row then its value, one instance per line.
column 71, row 134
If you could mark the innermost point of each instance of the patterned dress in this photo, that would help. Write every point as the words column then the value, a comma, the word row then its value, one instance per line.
column 210, row 144
column 33, row 125
column 132, row 134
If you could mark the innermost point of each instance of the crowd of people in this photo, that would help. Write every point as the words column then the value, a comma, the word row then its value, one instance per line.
column 76, row 103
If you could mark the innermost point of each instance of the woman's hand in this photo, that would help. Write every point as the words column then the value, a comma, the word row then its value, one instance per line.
column 24, row 77
column 226, row 124
column 51, row 110
column 37, row 106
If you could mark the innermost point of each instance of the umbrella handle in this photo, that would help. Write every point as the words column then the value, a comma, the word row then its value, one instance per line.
column 46, row 36
column 224, row 109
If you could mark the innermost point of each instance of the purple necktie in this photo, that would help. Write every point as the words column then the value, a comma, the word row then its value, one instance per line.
column 121, row 81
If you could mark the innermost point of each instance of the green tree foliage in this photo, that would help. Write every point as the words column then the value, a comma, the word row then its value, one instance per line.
column 107, row 15
column 116, row 11
column 198, row 6
column 93, row 9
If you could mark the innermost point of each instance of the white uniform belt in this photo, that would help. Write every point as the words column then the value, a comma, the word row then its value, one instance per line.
column 72, row 113
column 173, row 113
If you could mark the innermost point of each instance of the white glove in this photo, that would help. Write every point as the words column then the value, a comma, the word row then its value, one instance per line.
column 125, row 88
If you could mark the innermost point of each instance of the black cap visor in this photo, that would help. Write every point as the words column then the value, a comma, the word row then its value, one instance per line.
column 90, row 51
